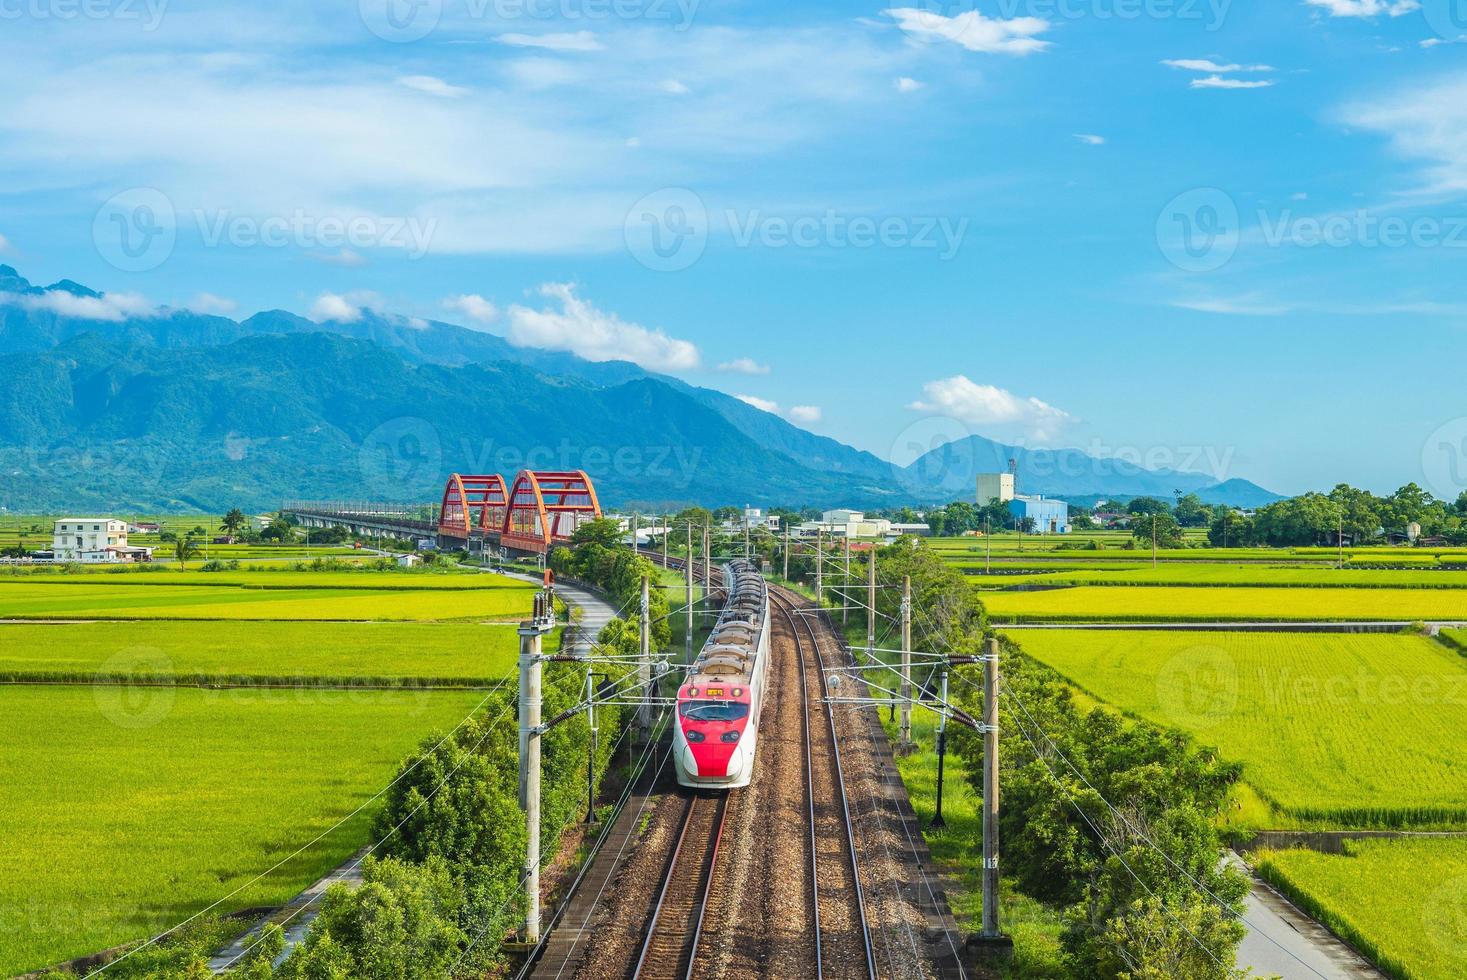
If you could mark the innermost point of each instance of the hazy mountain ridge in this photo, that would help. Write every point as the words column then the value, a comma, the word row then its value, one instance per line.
column 182, row 409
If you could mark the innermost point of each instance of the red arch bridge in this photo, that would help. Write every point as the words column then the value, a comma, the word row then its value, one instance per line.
column 540, row 509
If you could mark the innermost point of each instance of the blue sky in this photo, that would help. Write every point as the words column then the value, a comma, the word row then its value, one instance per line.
column 1215, row 235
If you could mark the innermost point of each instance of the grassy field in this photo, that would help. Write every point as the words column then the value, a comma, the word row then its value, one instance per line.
column 137, row 811
column 252, row 577
column 1401, row 902
column 1290, row 576
column 1121, row 603
column 958, row 850
column 22, row 599
column 260, row 652
column 1340, row 729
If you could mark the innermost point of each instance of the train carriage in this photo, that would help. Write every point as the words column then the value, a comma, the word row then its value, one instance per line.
column 719, row 702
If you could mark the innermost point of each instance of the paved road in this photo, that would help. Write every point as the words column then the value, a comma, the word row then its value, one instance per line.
column 1284, row 942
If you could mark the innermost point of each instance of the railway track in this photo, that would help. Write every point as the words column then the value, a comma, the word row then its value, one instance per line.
column 670, row 946
column 842, row 931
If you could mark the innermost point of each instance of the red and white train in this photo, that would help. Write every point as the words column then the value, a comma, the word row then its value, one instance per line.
column 718, row 704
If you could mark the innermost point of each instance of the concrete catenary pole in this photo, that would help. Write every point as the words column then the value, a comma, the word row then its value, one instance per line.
column 845, row 604
column 644, row 662
column 636, row 530
column 532, row 668
column 688, row 568
column 666, row 535
column 990, row 790
column 707, row 562
column 820, row 567
column 786, row 552
column 871, row 606
column 904, row 742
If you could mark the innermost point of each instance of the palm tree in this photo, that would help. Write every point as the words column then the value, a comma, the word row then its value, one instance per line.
column 183, row 550
column 234, row 521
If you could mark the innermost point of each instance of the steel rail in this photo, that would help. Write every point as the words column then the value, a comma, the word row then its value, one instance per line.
column 788, row 607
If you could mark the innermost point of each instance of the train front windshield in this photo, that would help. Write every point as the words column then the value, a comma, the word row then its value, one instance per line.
column 715, row 710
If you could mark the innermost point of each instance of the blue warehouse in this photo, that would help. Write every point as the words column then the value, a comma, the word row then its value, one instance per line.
column 1049, row 516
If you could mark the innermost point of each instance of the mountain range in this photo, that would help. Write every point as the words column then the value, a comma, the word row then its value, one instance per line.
column 109, row 405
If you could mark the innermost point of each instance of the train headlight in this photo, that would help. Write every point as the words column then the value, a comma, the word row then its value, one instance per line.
column 693, row 735
column 729, row 737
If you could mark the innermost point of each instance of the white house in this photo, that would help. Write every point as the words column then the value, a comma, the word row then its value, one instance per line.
column 92, row 539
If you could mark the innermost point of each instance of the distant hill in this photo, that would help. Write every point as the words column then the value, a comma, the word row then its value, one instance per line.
column 107, row 406
column 1070, row 473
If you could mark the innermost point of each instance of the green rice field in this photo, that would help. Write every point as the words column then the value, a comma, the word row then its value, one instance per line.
column 169, row 799
column 253, row 577
column 1340, row 729
column 1401, row 902
column 1292, row 576
column 1126, row 603
column 96, row 599
column 260, row 652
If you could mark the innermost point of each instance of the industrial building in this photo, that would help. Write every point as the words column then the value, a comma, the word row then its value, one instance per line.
column 1049, row 516
column 995, row 486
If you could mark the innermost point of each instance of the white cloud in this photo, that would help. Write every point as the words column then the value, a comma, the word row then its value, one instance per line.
column 1300, row 196
column 967, row 401
column 973, row 31
column 580, row 328
column 1366, row 8
column 109, row 307
column 571, row 41
column 5, row 245
column 905, row 84
column 334, row 308
column 1203, row 64
column 672, row 86
column 478, row 310
column 744, row 365
column 1090, row 139
column 1426, row 123
column 432, row 86
column 1218, row 81
column 213, row 305
column 1431, row 42
column 798, row 414
column 762, row 404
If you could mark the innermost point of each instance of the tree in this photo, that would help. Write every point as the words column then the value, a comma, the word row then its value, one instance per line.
column 400, row 924
column 234, row 521
column 603, row 531
column 1148, row 505
column 183, row 550
column 1192, row 512
column 1160, row 526
column 1229, row 529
